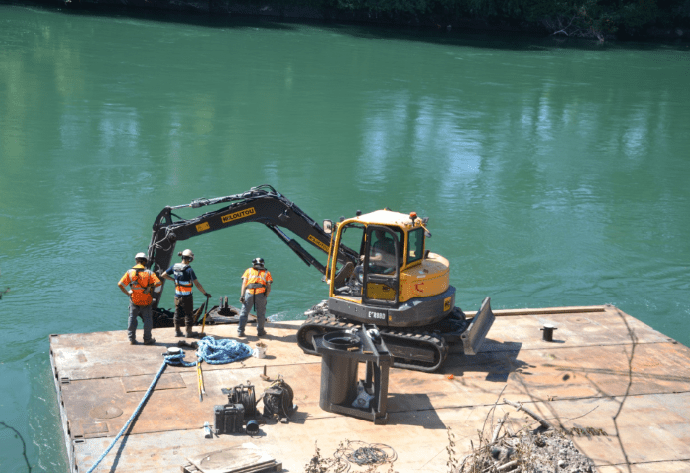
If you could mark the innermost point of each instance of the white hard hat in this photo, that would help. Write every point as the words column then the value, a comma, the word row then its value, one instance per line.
column 258, row 262
column 187, row 254
column 141, row 256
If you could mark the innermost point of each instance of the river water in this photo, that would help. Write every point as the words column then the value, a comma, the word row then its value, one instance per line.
column 553, row 173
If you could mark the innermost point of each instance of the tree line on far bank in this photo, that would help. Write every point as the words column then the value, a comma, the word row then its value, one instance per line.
column 599, row 19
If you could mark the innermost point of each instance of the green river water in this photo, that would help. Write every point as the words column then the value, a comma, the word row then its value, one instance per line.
column 553, row 173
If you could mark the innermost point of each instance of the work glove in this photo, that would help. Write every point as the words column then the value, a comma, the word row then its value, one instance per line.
column 242, row 299
column 208, row 294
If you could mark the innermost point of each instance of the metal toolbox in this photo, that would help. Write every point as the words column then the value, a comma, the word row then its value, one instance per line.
column 228, row 419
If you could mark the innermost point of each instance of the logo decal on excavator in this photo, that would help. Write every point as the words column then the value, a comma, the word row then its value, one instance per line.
column 318, row 243
column 446, row 304
column 202, row 227
column 235, row 215
column 418, row 287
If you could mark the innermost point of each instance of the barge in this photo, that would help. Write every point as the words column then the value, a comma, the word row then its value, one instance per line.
column 623, row 386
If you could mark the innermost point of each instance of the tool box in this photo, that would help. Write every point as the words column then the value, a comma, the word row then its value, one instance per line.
column 228, row 419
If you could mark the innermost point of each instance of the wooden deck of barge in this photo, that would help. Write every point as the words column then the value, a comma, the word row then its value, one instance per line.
column 600, row 357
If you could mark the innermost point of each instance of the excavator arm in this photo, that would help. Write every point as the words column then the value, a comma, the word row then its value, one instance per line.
column 262, row 204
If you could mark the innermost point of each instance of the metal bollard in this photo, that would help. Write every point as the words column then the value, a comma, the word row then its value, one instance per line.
column 548, row 332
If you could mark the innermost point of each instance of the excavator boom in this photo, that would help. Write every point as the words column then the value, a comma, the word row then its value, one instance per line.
column 262, row 204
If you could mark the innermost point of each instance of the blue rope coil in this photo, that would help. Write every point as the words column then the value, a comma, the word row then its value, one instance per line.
column 210, row 350
column 213, row 352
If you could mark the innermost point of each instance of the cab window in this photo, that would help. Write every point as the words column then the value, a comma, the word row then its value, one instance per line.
column 415, row 245
column 382, row 253
column 353, row 237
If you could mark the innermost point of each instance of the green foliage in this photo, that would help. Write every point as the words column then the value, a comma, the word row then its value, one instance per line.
column 682, row 9
column 588, row 18
column 393, row 6
column 639, row 13
column 596, row 19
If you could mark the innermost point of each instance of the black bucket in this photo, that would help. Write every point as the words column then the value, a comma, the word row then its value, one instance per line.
column 338, row 370
column 341, row 340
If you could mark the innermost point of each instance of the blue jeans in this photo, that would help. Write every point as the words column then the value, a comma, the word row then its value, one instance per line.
column 146, row 313
column 252, row 300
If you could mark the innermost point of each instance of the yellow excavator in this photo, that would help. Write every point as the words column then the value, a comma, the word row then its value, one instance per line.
column 378, row 270
column 400, row 286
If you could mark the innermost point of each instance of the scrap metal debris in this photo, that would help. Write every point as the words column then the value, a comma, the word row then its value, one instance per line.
column 353, row 454
column 543, row 450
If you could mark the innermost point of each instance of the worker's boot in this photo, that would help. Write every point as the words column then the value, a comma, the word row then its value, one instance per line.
column 191, row 333
column 178, row 331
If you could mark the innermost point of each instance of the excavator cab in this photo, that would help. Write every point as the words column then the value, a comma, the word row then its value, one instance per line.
column 404, row 285
column 376, row 277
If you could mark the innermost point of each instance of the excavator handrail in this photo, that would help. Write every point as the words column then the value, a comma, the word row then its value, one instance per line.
column 262, row 204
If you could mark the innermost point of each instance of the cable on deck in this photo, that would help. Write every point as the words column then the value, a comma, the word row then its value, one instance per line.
column 210, row 350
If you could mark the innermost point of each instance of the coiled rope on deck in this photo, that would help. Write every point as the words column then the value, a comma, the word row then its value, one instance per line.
column 210, row 350
column 213, row 352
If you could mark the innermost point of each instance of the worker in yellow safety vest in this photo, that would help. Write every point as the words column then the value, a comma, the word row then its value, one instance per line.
column 256, row 286
column 142, row 282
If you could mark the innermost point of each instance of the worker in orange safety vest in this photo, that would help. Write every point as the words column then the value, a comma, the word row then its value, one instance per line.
column 256, row 286
column 142, row 282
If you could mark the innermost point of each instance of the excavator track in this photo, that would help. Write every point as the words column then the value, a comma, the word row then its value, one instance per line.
column 412, row 349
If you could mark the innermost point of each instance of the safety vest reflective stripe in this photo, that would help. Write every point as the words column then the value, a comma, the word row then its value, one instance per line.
column 183, row 290
column 256, row 281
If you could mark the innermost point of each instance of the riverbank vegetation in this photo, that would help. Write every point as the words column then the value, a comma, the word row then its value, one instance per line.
column 598, row 19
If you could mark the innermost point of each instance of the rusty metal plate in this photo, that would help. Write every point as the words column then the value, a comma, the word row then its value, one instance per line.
column 580, row 379
column 142, row 383
column 109, row 354
column 652, row 467
column 94, row 429
column 105, row 412
column 233, row 459
column 418, row 437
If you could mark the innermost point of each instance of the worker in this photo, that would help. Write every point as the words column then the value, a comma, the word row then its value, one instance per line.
column 183, row 275
column 142, row 282
column 256, row 286
column 382, row 258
